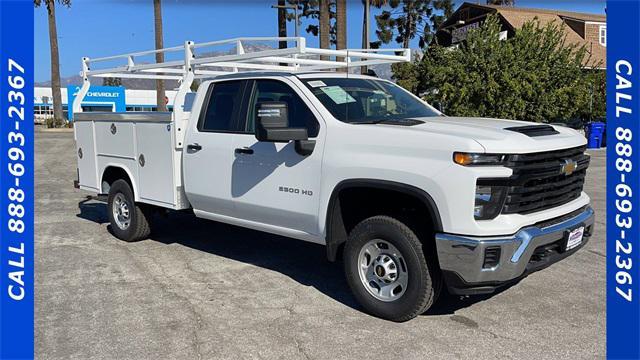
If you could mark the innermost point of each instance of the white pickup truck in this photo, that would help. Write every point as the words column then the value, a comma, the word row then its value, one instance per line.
column 409, row 198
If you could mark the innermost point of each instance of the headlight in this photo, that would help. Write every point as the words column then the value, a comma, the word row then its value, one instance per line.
column 489, row 201
column 469, row 159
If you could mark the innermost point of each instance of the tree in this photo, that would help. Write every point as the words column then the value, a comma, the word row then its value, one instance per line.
column 111, row 81
column 157, row 16
column 324, row 12
column 502, row 2
column 533, row 76
column 408, row 19
column 341, row 25
column 58, row 118
column 445, row 9
column 324, row 25
column 320, row 10
column 596, row 82
column 407, row 75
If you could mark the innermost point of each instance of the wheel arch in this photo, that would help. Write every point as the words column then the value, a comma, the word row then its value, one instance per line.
column 336, row 230
column 113, row 172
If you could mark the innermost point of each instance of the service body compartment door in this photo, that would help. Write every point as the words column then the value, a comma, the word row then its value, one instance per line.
column 85, row 153
column 115, row 139
column 140, row 144
column 155, row 161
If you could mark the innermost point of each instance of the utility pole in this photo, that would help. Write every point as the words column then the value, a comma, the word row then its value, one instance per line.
column 365, row 32
column 282, row 7
column 157, row 14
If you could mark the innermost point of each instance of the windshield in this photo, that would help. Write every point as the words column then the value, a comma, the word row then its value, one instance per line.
column 366, row 100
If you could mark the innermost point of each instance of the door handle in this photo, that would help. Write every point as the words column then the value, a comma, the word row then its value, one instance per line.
column 244, row 150
column 194, row 147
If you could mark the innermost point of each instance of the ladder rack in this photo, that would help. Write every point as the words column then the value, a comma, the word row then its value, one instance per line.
column 294, row 59
column 189, row 67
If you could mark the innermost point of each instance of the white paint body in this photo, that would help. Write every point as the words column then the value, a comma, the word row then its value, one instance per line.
column 243, row 189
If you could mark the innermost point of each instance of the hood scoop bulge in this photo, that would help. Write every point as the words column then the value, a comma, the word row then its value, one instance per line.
column 534, row 130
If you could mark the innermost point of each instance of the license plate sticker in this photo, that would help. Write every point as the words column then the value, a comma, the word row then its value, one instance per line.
column 575, row 238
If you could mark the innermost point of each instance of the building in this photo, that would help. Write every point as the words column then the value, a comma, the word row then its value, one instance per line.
column 99, row 98
column 589, row 30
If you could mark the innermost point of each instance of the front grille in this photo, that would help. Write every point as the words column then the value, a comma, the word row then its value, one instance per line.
column 560, row 219
column 538, row 183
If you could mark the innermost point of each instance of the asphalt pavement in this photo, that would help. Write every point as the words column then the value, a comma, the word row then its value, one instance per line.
column 200, row 290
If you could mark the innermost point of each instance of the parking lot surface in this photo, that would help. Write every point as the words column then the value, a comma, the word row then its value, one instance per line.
column 200, row 289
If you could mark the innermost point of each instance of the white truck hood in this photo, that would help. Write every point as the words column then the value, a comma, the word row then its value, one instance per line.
column 493, row 136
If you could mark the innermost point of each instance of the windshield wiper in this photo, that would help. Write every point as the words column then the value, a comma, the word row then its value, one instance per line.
column 368, row 122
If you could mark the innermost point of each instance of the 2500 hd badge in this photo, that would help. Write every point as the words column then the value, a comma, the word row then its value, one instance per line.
column 292, row 190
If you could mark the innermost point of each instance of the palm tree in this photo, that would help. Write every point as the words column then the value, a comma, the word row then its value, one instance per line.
column 157, row 15
column 341, row 26
column 55, row 58
column 325, row 24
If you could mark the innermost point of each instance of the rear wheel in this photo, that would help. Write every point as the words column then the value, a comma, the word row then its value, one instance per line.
column 387, row 271
column 129, row 221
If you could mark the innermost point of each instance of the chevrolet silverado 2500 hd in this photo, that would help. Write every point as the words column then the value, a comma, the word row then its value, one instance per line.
column 411, row 199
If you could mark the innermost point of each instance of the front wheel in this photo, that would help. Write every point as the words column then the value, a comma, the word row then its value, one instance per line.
column 387, row 271
column 129, row 221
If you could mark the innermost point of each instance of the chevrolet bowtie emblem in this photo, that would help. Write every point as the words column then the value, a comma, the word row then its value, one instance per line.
column 568, row 167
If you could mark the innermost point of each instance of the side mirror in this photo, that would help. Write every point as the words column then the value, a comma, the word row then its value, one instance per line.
column 272, row 123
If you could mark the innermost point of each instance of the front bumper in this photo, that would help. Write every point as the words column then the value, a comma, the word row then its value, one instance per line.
column 462, row 258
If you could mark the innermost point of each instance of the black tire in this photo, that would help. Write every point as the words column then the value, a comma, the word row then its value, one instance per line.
column 139, row 216
column 423, row 284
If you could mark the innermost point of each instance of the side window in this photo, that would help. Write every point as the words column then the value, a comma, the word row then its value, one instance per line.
column 222, row 109
column 272, row 90
column 603, row 35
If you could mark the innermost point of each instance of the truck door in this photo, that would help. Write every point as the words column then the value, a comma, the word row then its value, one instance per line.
column 271, row 183
column 208, row 155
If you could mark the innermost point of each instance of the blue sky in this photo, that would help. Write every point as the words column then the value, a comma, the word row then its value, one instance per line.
column 107, row 27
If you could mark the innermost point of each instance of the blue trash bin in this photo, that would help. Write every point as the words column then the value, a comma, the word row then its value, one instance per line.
column 595, row 132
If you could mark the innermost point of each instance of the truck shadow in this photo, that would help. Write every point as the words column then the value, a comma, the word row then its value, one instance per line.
column 448, row 304
column 301, row 261
column 93, row 210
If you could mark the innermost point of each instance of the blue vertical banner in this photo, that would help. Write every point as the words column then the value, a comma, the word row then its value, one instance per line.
column 16, row 179
column 623, row 180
